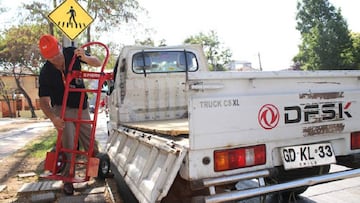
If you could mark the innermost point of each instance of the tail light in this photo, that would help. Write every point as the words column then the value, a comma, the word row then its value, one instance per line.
column 355, row 140
column 239, row 158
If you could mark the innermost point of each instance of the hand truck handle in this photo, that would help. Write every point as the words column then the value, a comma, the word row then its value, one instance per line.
column 89, row 44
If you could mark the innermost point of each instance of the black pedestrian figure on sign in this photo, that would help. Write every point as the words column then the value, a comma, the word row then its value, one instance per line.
column 72, row 16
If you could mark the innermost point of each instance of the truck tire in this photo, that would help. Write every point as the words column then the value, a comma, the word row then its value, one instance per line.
column 181, row 192
column 283, row 176
column 104, row 165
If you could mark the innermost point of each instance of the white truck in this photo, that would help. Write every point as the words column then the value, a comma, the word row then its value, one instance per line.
column 179, row 132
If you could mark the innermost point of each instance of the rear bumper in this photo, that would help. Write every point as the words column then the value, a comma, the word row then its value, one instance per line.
column 351, row 161
column 262, row 189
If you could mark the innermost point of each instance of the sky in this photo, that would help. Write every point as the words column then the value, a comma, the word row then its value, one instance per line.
column 254, row 30
column 251, row 29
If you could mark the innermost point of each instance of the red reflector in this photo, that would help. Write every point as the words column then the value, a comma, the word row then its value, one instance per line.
column 239, row 157
column 355, row 140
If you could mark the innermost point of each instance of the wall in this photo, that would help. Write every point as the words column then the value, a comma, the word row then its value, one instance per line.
column 30, row 84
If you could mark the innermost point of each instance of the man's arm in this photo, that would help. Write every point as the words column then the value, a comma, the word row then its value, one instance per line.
column 46, row 108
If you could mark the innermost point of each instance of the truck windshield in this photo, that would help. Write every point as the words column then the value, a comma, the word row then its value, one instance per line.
column 164, row 62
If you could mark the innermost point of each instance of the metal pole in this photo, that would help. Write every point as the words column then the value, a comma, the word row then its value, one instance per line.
column 259, row 61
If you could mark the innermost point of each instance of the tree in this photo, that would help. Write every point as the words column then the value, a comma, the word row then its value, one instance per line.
column 111, row 13
column 150, row 42
column 356, row 49
column 2, row 9
column 217, row 56
column 38, row 14
column 4, row 93
column 19, row 53
column 107, row 14
column 146, row 42
column 326, row 41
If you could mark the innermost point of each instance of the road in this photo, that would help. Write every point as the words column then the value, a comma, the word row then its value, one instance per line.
column 343, row 191
column 21, row 132
column 101, row 130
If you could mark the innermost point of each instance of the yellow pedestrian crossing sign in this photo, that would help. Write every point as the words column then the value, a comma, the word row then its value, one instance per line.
column 71, row 18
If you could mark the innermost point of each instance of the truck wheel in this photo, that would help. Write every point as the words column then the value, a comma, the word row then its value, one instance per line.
column 104, row 165
column 181, row 192
column 286, row 176
column 60, row 162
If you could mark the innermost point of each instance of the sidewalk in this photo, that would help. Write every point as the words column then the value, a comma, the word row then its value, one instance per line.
column 20, row 120
column 6, row 121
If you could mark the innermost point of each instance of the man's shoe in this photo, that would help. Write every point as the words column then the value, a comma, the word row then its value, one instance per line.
column 109, row 175
column 68, row 189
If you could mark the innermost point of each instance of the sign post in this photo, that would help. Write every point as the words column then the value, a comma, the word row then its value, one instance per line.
column 70, row 18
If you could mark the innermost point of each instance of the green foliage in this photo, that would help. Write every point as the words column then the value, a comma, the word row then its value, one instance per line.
column 108, row 16
column 326, row 40
column 39, row 147
column 19, row 47
column 146, row 42
column 150, row 42
column 217, row 56
column 112, row 13
column 356, row 49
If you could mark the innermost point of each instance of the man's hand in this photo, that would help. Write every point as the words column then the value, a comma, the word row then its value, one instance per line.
column 58, row 123
column 80, row 52
column 90, row 60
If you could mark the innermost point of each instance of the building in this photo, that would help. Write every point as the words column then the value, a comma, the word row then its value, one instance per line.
column 17, row 100
column 239, row 65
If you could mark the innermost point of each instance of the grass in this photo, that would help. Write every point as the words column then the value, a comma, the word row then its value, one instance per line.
column 38, row 148
column 45, row 143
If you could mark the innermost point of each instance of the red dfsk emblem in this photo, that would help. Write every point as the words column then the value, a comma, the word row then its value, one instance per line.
column 268, row 116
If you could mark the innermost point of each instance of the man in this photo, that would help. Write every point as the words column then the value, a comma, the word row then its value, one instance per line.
column 51, row 91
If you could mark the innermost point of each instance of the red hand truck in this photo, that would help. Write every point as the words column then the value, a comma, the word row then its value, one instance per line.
column 56, row 159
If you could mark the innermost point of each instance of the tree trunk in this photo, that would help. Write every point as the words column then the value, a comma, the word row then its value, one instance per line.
column 5, row 94
column 88, row 37
column 28, row 99
column 7, row 100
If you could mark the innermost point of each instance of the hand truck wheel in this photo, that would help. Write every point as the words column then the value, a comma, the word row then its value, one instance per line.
column 60, row 161
column 104, row 165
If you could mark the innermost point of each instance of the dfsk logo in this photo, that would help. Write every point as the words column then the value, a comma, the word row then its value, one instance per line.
column 268, row 116
column 318, row 112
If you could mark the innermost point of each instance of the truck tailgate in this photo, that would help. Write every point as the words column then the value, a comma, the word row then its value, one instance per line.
column 276, row 109
column 148, row 163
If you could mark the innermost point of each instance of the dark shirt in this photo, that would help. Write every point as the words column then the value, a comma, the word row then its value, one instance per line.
column 51, row 82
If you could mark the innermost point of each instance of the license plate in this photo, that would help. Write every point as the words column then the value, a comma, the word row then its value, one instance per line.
column 307, row 155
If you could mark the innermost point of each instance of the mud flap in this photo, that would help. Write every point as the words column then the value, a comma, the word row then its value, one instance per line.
column 93, row 167
column 50, row 161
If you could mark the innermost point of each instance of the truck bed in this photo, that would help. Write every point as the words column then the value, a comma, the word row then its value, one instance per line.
column 173, row 127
